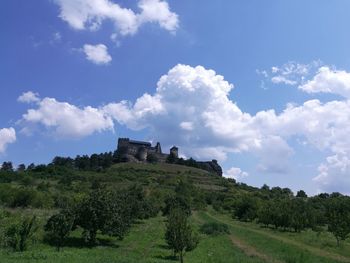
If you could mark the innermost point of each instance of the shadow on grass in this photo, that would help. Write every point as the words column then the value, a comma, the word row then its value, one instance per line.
column 77, row 242
column 164, row 246
column 169, row 258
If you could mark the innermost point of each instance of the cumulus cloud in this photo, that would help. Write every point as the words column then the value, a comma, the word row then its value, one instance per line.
column 67, row 120
column 334, row 174
column 97, row 54
column 7, row 136
column 235, row 173
column 28, row 97
column 90, row 14
column 191, row 108
column 274, row 153
column 329, row 81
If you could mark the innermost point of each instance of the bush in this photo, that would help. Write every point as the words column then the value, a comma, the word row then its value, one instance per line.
column 17, row 234
column 214, row 229
column 23, row 198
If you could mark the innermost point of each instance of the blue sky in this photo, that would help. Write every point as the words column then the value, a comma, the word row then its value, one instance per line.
column 76, row 75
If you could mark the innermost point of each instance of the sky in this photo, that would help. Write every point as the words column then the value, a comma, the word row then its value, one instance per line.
column 261, row 86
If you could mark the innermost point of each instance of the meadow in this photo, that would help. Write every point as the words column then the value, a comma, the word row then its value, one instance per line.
column 246, row 242
column 212, row 199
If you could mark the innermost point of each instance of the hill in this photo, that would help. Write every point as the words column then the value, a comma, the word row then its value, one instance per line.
column 264, row 224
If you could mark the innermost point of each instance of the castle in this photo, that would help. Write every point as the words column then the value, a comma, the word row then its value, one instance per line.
column 142, row 151
column 139, row 151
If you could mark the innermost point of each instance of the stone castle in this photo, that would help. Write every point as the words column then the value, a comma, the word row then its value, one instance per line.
column 139, row 151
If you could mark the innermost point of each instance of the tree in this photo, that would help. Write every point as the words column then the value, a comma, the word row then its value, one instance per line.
column 105, row 211
column 21, row 168
column 246, row 208
column 7, row 167
column 338, row 217
column 31, row 167
column 299, row 214
column 174, row 202
column 59, row 227
column 301, row 194
column 179, row 234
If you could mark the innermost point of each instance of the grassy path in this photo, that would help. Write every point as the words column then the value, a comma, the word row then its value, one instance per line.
column 145, row 243
column 332, row 257
column 251, row 251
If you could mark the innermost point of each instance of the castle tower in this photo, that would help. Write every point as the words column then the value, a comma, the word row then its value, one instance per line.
column 174, row 151
column 158, row 148
column 123, row 145
column 142, row 154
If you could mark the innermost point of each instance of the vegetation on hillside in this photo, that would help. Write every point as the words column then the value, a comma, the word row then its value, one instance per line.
column 96, row 201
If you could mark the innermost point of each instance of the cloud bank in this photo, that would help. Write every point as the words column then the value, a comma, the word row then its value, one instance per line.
column 192, row 109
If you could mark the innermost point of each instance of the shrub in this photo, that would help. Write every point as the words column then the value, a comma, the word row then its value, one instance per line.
column 18, row 233
column 214, row 229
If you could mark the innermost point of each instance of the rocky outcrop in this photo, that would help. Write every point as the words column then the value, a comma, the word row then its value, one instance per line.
column 211, row 166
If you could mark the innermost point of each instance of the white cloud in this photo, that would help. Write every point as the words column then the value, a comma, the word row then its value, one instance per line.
column 7, row 136
column 235, row 173
column 191, row 109
column 97, row 54
column 334, row 174
column 329, row 81
column 186, row 125
column 28, row 97
column 82, row 14
column 274, row 154
column 282, row 79
column 291, row 73
column 67, row 120
column 57, row 36
column 159, row 12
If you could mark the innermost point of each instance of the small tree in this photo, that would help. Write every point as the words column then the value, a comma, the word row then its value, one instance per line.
column 301, row 194
column 7, row 167
column 179, row 234
column 59, row 227
column 338, row 217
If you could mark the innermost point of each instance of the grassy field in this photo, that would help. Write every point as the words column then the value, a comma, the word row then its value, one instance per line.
column 246, row 242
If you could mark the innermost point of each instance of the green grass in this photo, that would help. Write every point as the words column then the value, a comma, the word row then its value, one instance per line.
column 145, row 243
column 286, row 246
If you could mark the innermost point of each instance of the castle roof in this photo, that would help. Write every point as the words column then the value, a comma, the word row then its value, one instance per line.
column 140, row 143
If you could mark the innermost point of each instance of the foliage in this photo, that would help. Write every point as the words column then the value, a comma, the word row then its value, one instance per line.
column 152, row 158
column 59, row 226
column 214, row 228
column 18, row 233
column 338, row 217
column 246, row 208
